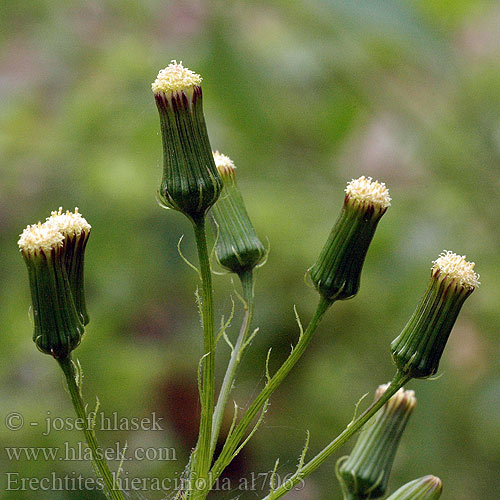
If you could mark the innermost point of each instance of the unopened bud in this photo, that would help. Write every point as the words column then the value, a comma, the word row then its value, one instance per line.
column 365, row 473
column 419, row 347
column 424, row 488
column 190, row 182
column 57, row 324
column 238, row 247
column 336, row 274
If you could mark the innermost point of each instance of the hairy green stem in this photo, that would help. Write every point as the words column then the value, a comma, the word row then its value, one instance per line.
column 100, row 465
column 247, row 283
column 202, row 457
column 397, row 382
column 237, row 435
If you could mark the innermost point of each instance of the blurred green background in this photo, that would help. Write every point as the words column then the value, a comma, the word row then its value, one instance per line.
column 303, row 95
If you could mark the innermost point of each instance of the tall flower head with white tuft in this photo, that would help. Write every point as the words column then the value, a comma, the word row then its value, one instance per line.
column 58, row 326
column 337, row 272
column 76, row 232
column 238, row 247
column 190, row 182
column 419, row 347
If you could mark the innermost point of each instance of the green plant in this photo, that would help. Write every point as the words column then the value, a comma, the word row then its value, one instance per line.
column 201, row 184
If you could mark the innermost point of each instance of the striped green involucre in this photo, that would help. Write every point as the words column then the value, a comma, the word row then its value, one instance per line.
column 238, row 247
column 419, row 347
column 57, row 325
column 337, row 272
column 365, row 473
column 190, row 182
column 424, row 488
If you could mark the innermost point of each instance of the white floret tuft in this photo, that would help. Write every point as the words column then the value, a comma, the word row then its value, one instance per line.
column 401, row 397
column 366, row 190
column 68, row 223
column 40, row 238
column 457, row 268
column 175, row 77
column 224, row 164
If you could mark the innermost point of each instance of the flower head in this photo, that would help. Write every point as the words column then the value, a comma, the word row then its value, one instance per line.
column 238, row 247
column 76, row 231
column 424, row 488
column 419, row 347
column 337, row 272
column 190, row 182
column 365, row 472
column 53, row 253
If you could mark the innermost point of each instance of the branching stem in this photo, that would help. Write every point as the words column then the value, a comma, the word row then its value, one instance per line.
column 398, row 381
column 236, row 437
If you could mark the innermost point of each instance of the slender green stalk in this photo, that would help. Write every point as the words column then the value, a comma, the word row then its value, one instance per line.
column 397, row 382
column 237, row 435
column 202, row 457
column 100, row 464
column 247, row 283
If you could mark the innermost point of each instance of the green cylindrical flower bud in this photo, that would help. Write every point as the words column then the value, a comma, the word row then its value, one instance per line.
column 190, row 182
column 418, row 348
column 76, row 232
column 336, row 274
column 57, row 324
column 424, row 488
column 365, row 473
column 238, row 247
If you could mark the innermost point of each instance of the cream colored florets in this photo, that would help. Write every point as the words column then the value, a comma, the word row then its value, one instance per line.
column 224, row 164
column 40, row 237
column 367, row 190
column 68, row 223
column 175, row 77
column 457, row 268
column 402, row 397
column 44, row 237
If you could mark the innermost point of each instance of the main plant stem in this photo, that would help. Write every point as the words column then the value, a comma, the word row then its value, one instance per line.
column 247, row 283
column 397, row 382
column 100, row 465
column 202, row 457
column 237, row 435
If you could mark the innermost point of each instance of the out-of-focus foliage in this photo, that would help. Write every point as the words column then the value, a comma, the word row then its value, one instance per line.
column 303, row 95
